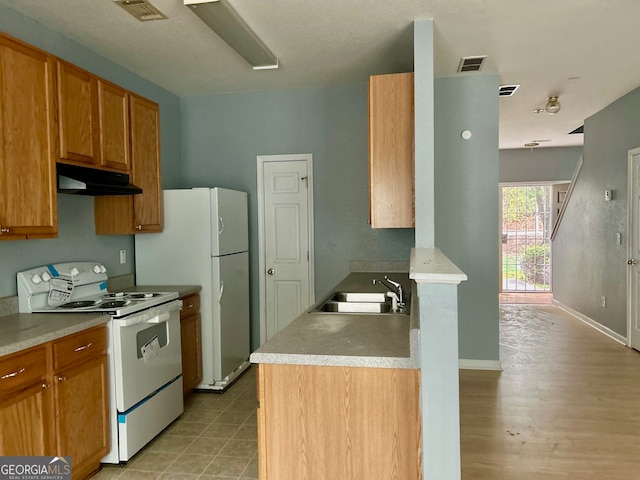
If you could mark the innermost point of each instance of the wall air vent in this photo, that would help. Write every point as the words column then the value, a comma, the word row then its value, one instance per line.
column 507, row 90
column 471, row 64
column 142, row 10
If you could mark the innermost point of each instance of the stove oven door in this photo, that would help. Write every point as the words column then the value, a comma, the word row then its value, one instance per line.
column 146, row 353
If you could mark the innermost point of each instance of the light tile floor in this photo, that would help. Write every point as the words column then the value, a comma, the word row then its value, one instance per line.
column 215, row 438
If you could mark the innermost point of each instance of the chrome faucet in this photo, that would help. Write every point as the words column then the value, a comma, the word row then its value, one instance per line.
column 396, row 290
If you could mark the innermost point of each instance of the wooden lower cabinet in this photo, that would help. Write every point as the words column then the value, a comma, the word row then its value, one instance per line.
column 54, row 401
column 82, row 426
column 190, row 340
column 24, row 422
column 325, row 423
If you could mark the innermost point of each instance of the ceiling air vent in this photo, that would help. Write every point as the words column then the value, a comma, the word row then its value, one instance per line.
column 507, row 90
column 141, row 10
column 471, row 64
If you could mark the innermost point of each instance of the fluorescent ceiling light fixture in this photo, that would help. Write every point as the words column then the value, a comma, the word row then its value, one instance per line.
column 221, row 17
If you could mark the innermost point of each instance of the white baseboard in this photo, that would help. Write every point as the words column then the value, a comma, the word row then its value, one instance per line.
column 592, row 323
column 469, row 364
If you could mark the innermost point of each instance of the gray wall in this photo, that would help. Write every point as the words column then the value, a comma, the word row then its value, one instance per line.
column 77, row 240
column 466, row 203
column 222, row 135
column 539, row 165
column 587, row 263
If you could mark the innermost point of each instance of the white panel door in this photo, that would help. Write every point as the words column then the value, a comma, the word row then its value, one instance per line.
column 633, row 248
column 286, row 242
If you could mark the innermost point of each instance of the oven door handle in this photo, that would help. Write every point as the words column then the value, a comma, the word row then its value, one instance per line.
column 128, row 322
column 163, row 317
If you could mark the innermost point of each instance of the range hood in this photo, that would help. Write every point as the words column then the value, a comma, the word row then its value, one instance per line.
column 90, row 181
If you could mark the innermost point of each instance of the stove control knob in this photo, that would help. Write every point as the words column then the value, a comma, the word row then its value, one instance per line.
column 46, row 276
column 103, row 269
column 73, row 271
column 96, row 268
column 36, row 279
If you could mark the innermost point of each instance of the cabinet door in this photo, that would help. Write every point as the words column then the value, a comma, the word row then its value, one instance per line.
column 24, row 422
column 142, row 213
column 338, row 422
column 25, row 404
column 113, row 104
column 191, row 357
column 145, row 153
column 78, row 115
column 81, row 414
column 28, row 202
column 391, row 161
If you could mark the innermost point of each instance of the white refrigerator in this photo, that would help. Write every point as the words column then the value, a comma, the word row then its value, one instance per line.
column 205, row 242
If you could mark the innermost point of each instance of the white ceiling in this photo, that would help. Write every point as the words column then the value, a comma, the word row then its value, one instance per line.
column 581, row 50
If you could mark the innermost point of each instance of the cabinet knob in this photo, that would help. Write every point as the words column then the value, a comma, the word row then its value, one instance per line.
column 61, row 378
column 45, row 386
column 4, row 230
column 138, row 227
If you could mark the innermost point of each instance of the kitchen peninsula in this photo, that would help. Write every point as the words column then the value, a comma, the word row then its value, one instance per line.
column 339, row 393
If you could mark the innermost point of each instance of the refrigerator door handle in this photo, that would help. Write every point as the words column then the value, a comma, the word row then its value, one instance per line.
column 220, row 226
column 221, row 290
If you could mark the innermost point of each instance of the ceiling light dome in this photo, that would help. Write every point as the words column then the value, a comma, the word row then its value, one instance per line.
column 553, row 105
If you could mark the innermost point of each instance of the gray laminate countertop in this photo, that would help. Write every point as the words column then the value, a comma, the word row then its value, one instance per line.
column 25, row 330
column 350, row 340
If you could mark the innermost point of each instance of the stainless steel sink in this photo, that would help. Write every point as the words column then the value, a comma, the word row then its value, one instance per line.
column 354, row 307
column 359, row 297
column 356, row 302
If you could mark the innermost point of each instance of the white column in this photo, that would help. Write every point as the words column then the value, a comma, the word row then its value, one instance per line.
column 438, row 280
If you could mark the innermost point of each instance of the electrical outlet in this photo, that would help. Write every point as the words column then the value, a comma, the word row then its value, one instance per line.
column 123, row 256
column 604, row 301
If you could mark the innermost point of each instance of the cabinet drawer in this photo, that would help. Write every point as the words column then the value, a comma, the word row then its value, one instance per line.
column 79, row 348
column 190, row 305
column 22, row 369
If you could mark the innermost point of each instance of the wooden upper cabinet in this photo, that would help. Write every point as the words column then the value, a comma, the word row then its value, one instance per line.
column 28, row 201
column 142, row 213
column 93, row 118
column 391, row 151
column 113, row 103
column 78, row 115
column 145, row 153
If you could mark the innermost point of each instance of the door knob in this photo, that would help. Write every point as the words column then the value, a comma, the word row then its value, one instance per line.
column 271, row 271
column 631, row 262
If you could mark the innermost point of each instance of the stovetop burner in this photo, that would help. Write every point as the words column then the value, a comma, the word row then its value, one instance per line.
column 78, row 304
column 143, row 295
column 112, row 304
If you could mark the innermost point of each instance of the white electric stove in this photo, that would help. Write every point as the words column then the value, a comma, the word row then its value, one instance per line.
column 144, row 349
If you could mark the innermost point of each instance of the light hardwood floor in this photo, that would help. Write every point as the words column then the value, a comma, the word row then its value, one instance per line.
column 520, row 297
column 566, row 406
